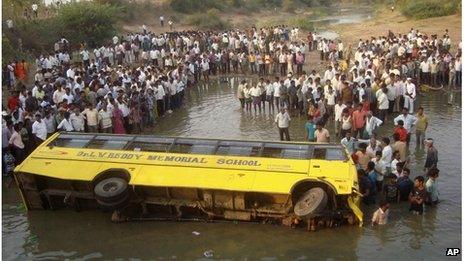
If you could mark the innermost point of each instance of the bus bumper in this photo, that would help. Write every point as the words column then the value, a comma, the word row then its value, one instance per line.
column 354, row 202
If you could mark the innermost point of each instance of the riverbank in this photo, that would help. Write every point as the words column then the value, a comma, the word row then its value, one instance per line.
column 385, row 20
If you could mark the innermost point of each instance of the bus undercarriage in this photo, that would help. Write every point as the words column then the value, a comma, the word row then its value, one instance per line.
column 138, row 203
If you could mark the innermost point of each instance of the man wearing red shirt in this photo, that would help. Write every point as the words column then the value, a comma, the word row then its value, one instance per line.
column 13, row 102
column 359, row 121
column 402, row 132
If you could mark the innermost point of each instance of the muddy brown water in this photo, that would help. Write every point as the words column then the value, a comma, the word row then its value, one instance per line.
column 212, row 111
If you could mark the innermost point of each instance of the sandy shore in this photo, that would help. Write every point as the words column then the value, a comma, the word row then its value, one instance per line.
column 386, row 20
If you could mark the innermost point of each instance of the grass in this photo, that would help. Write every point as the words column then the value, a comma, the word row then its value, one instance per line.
column 420, row 9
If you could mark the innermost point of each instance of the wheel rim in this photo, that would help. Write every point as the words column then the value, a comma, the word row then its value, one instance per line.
column 309, row 202
column 110, row 187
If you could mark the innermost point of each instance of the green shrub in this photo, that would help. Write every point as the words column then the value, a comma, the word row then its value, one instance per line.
column 210, row 20
column 36, row 36
column 302, row 22
column 88, row 22
column 10, row 52
column 80, row 22
column 420, row 9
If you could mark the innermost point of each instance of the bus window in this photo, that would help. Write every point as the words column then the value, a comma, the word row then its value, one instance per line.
column 294, row 154
column 335, row 154
column 329, row 153
column 319, row 153
column 69, row 143
column 151, row 144
column 108, row 142
column 146, row 146
column 285, row 151
column 194, row 146
column 238, row 148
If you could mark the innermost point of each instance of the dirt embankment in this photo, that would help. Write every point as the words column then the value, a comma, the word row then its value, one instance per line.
column 386, row 20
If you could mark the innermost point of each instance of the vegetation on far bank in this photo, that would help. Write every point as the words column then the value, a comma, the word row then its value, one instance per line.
column 82, row 22
column 420, row 9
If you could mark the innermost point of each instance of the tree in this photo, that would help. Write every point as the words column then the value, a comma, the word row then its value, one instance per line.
column 88, row 22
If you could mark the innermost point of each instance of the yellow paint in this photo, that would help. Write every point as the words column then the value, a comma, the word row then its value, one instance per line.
column 255, row 174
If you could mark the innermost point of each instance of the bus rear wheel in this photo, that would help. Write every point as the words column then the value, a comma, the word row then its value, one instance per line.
column 311, row 203
column 112, row 193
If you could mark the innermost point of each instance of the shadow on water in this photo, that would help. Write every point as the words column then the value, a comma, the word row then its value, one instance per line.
column 213, row 111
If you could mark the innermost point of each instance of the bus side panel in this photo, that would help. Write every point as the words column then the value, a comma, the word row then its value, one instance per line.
column 276, row 182
column 61, row 169
column 210, row 178
column 337, row 173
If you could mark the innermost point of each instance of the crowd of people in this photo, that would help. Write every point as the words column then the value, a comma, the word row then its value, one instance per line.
column 125, row 85
column 359, row 93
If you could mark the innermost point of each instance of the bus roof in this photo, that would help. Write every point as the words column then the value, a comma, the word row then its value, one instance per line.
column 155, row 143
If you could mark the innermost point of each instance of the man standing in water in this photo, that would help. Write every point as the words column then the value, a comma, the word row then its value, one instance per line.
column 421, row 126
column 408, row 120
column 283, row 122
column 432, row 155
column 240, row 93
column 255, row 92
column 409, row 96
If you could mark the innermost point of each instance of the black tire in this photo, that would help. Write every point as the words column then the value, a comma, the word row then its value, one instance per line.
column 115, row 205
column 111, row 190
column 311, row 202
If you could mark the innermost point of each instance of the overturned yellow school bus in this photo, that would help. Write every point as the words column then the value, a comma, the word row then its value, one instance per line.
column 138, row 176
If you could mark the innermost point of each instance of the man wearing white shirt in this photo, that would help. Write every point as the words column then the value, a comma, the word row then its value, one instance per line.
column 408, row 120
column 329, row 74
column 382, row 102
column 409, row 95
column 338, row 109
column 159, row 94
column 65, row 124
column 85, row 58
column 330, row 97
column 276, row 88
column 391, row 95
column 58, row 95
column 39, row 129
column 372, row 123
column 68, row 96
column 269, row 94
column 425, row 72
column 70, row 73
column 282, row 120
column 387, row 153
column 255, row 92
column 77, row 120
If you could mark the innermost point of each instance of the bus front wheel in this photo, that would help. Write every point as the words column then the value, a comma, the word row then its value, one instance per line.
column 311, row 202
